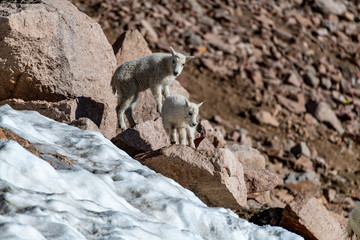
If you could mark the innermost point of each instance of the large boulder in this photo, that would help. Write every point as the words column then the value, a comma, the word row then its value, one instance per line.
column 131, row 45
column 310, row 219
column 215, row 176
column 52, row 52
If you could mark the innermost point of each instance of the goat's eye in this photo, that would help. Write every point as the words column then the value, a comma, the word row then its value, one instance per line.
column 190, row 113
column 183, row 64
column 173, row 61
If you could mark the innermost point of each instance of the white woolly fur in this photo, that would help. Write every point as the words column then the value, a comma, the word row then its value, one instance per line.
column 179, row 116
column 155, row 71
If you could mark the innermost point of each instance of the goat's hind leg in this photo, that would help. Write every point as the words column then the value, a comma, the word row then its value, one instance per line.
column 121, row 109
column 130, row 111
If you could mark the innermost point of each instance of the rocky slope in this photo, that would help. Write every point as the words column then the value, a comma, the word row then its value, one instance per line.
column 282, row 76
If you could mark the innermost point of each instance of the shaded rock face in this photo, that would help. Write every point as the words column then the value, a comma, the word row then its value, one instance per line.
column 131, row 45
column 216, row 176
column 52, row 52
column 146, row 136
column 63, row 111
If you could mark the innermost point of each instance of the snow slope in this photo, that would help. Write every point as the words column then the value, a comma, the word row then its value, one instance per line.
column 104, row 195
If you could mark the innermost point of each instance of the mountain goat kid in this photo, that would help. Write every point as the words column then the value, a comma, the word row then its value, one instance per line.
column 155, row 71
column 179, row 115
column 353, row 225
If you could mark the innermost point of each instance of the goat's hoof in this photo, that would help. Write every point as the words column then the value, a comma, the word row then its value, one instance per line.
column 173, row 142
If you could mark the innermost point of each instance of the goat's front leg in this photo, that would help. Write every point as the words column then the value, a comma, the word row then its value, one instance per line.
column 190, row 136
column 156, row 90
column 182, row 135
column 166, row 91
column 173, row 135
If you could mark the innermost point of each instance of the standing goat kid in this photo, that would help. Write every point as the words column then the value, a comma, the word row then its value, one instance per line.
column 155, row 71
column 179, row 115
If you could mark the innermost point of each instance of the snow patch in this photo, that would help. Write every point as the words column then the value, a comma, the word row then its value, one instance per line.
column 105, row 194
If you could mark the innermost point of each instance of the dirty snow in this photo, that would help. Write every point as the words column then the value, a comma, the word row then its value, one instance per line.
column 104, row 195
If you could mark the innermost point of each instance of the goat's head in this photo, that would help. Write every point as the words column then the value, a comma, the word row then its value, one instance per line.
column 178, row 62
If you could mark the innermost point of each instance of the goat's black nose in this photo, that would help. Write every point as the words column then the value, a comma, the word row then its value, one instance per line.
column 176, row 73
column 193, row 124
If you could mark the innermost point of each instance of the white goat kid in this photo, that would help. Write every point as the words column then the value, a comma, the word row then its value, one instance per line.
column 353, row 225
column 179, row 116
column 155, row 71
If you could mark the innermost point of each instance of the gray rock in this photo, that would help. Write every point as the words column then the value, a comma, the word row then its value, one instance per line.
column 330, row 7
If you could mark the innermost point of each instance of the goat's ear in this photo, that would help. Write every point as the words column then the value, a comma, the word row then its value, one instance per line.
column 187, row 104
column 172, row 51
column 189, row 57
column 199, row 105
